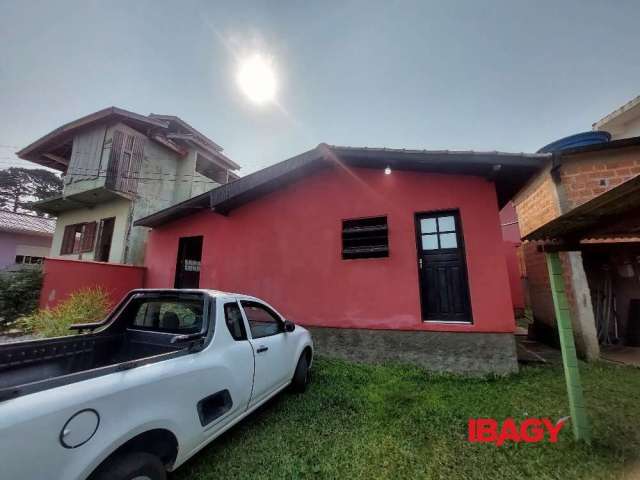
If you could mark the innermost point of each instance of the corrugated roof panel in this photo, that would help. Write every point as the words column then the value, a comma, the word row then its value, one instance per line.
column 24, row 223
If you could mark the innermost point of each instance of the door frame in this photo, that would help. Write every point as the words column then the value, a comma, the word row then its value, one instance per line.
column 461, row 245
column 179, row 255
column 98, row 244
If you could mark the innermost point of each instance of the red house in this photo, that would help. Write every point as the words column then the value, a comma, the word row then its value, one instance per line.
column 385, row 254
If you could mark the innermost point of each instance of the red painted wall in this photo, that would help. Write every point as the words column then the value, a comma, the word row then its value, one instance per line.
column 515, row 275
column 511, row 237
column 286, row 248
column 509, row 222
column 63, row 277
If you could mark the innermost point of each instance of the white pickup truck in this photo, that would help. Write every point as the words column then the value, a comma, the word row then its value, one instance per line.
column 166, row 373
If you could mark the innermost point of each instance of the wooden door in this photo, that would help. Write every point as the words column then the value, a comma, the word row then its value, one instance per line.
column 444, row 288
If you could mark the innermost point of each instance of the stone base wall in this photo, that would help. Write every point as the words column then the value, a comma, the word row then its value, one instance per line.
column 466, row 353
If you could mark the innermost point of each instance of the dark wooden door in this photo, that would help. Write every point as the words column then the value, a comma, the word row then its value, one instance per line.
column 444, row 288
column 188, row 264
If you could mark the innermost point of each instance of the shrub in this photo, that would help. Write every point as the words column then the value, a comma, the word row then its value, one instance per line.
column 85, row 305
column 19, row 293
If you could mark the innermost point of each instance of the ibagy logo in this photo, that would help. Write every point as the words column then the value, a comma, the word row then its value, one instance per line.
column 530, row 430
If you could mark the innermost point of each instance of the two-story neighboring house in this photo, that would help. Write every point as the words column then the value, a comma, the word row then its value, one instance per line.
column 119, row 166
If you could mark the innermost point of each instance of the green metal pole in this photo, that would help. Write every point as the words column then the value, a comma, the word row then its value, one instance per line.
column 579, row 420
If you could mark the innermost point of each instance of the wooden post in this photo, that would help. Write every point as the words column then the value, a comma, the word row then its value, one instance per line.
column 579, row 420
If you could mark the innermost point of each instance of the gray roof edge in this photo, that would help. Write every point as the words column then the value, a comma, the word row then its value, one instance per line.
column 434, row 151
column 260, row 178
column 84, row 120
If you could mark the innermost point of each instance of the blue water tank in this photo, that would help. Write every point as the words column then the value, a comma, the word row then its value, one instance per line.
column 578, row 140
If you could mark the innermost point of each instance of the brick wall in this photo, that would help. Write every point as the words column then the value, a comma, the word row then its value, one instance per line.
column 583, row 177
column 537, row 203
column 538, row 284
column 588, row 175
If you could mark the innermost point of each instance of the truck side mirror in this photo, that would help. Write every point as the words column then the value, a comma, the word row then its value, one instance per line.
column 289, row 326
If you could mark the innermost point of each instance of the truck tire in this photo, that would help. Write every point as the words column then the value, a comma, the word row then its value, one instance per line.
column 301, row 376
column 130, row 466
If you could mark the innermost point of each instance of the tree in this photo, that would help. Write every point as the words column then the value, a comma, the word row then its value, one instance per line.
column 19, row 187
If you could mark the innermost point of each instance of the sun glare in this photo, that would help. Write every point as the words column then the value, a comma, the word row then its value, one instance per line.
column 257, row 79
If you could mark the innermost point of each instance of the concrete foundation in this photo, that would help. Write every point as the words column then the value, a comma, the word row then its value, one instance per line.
column 465, row 353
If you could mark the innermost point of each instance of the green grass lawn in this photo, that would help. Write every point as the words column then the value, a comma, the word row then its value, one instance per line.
column 367, row 422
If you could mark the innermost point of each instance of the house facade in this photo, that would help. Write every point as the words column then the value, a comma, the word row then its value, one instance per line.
column 119, row 166
column 601, row 273
column 24, row 239
column 392, row 254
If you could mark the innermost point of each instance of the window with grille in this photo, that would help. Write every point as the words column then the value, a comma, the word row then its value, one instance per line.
column 365, row 238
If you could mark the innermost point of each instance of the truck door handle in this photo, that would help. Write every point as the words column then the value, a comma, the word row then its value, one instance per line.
column 262, row 349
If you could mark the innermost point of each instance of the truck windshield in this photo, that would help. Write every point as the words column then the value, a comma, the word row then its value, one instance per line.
column 170, row 314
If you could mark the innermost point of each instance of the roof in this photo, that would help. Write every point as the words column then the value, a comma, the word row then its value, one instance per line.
column 620, row 115
column 186, row 126
column 26, row 224
column 35, row 150
column 615, row 213
column 509, row 171
column 40, row 150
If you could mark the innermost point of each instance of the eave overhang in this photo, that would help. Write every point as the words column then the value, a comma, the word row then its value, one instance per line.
column 39, row 151
column 508, row 171
column 89, row 198
column 612, row 215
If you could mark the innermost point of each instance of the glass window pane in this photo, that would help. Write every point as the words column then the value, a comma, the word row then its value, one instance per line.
column 448, row 240
column 233, row 319
column 183, row 316
column 446, row 224
column 262, row 322
column 428, row 225
column 430, row 242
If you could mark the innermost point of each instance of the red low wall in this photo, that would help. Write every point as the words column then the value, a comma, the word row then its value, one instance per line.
column 63, row 277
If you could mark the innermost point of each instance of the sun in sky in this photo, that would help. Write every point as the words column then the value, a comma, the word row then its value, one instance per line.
column 256, row 77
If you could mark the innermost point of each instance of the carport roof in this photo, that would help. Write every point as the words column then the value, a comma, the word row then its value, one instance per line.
column 614, row 214
column 509, row 171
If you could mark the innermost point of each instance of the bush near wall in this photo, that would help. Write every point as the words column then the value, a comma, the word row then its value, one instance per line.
column 83, row 306
column 19, row 294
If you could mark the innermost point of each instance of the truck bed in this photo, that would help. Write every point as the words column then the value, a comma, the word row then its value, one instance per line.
column 31, row 366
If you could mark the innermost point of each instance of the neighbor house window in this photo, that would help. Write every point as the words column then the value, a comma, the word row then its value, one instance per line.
column 78, row 238
column 365, row 238
column 26, row 259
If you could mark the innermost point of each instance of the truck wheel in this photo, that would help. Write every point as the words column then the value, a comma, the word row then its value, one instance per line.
column 132, row 466
column 301, row 376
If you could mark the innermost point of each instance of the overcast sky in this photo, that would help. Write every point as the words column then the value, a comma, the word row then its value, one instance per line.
column 494, row 75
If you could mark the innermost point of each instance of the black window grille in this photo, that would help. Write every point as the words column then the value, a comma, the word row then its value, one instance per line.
column 365, row 238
